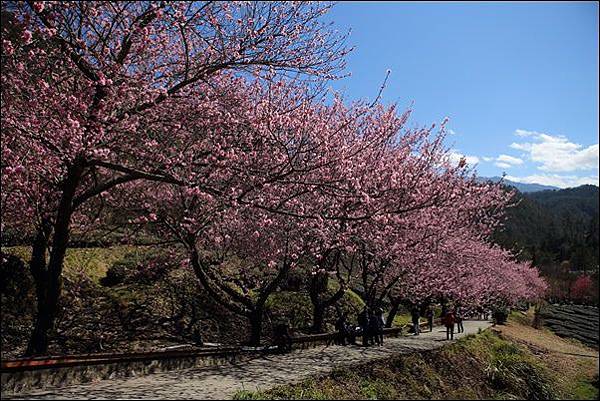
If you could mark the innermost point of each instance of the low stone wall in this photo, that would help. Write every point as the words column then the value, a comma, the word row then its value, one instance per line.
column 18, row 380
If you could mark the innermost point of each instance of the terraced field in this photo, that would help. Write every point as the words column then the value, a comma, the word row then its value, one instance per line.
column 573, row 321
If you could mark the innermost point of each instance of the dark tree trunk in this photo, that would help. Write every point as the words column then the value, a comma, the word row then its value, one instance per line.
column 37, row 266
column 48, row 280
column 317, row 289
column 255, row 319
column 318, row 318
column 392, row 314
column 38, row 343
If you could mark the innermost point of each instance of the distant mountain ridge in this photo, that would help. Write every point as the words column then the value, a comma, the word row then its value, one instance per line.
column 522, row 187
column 552, row 226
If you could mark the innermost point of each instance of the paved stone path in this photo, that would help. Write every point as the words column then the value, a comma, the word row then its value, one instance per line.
column 222, row 382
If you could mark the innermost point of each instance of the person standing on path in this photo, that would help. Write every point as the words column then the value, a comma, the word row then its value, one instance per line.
column 429, row 313
column 373, row 327
column 341, row 327
column 351, row 333
column 449, row 323
column 380, row 325
column 415, row 319
column 458, row 316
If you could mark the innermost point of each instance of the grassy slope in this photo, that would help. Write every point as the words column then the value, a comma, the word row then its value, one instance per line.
column 574, row 365
column 92, row 262
column 153, row 300
column 498, row 364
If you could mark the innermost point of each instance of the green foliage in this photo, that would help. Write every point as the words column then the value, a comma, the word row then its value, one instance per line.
column 297, row 309
column 513, row 373
column 311, row 389
column 584, row 390
column 377, row 389
column 500, row 314
column 520, row 317
column 247, row 395
column 402, row 320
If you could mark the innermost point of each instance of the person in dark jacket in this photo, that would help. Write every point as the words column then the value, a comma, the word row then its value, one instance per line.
column 374, row 327
column 449, row 323
column 430, row 314
column 380, row 325
column 341, row 328
column 351, row 333
column 458, row 317
column 197, row 337
column 415, row 315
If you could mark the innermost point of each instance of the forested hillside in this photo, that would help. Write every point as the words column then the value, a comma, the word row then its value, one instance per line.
column 551, row 227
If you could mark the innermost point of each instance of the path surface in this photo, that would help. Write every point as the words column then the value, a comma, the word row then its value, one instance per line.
column 222, row 382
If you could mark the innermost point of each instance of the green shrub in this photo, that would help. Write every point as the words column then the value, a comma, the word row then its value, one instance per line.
column 500, row 315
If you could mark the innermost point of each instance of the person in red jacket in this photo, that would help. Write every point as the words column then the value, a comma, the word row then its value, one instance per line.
column 449, row 321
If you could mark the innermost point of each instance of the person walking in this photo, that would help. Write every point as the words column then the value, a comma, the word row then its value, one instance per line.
column 458, row 317
column 351, row 333
column 380, row 325
column 363, row 322
column 449, row 323
column 373, row 327
column 430, row 314
column 341, row 328
column 415, row 319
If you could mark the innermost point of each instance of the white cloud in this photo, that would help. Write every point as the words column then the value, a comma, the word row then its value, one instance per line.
column 521, row 146
column 561, row 181
column 524, row 133
column 451, row 132
column 455, row 157
column 555, row 153
column 510, row 159
column 504, row 161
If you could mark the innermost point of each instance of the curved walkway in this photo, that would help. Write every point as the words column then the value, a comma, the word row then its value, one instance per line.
column 222, row 382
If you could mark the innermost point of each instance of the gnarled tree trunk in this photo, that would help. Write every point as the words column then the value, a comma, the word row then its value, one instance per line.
column 47, row 277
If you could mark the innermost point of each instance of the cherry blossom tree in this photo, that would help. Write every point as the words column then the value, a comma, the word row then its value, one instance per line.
column 422, row 254
column 470, row 271
column 415, row 198
column 582, row 288
column 211, row 121
column 273, row 195
column 90, row 91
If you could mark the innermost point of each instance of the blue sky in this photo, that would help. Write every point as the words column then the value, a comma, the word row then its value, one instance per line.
column 519, row 81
